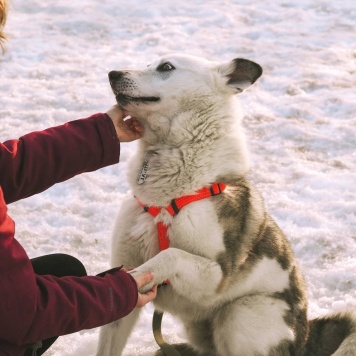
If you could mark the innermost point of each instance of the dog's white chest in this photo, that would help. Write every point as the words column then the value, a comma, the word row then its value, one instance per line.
column 196, row 229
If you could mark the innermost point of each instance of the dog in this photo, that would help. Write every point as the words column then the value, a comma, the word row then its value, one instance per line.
column 196, row 221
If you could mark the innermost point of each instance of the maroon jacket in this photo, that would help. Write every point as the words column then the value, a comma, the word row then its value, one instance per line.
column 34, row 307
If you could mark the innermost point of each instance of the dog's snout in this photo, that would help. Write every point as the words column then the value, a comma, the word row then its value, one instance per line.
column 115, row 75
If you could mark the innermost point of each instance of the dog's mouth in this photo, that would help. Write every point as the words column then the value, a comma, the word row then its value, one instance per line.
column 123, row 99
column 120, row 83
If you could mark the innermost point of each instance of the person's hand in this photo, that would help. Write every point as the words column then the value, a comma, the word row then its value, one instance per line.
column 144, row 298
column 127, row 130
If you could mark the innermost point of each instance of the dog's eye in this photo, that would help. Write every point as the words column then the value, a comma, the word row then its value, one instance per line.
column 165, row 67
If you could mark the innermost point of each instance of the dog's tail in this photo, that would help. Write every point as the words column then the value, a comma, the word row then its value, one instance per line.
column 332, row 335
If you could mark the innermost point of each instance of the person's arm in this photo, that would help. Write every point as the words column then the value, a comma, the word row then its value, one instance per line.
column 70, row 304
column 40, row 159
column 54, row 306
column 35, row 307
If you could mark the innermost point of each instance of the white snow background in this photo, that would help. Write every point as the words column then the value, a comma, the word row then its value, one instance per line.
column 299, row 117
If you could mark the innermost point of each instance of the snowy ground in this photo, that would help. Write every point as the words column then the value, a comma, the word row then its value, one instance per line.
column 300, row 119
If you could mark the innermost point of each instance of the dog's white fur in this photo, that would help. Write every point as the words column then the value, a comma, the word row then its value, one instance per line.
column 193, row 137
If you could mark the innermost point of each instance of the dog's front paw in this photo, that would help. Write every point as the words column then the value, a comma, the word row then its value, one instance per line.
column 162, row 266
column 146, row 287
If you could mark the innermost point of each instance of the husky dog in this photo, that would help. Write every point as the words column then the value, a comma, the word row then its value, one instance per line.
column 234, row 281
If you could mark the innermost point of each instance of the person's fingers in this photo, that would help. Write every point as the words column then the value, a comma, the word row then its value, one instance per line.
column 138, row 127
column 133, row 123
column 151, row 294
column 146, row 297
column 153, row 291
column 144, row 279
column 129, row 123
column 127, row 128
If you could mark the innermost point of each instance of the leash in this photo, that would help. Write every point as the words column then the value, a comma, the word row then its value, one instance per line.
column 167, row 349
column 173, row 209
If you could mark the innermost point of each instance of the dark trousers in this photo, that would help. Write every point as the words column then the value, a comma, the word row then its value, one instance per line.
column 59, row 265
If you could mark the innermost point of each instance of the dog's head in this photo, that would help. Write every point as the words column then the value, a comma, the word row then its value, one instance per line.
column 170, row 84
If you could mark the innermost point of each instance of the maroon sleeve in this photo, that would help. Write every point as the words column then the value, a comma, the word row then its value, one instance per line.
column 34, row 307
column 40, row 159
column 69, row 304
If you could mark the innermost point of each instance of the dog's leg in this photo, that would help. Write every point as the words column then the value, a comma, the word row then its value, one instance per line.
column 253, row 325
column 188, row 274
column 200, row 334
column 113, row 336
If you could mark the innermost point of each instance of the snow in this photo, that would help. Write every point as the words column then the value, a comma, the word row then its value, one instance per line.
column 300, row 120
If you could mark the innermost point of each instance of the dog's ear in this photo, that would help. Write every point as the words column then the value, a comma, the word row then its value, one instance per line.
column 240, row 73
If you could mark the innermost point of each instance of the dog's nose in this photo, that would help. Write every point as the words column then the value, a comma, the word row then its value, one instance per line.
column 115, row 75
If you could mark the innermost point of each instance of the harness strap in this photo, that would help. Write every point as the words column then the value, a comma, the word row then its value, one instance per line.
column 176, row 205
column 163, row 239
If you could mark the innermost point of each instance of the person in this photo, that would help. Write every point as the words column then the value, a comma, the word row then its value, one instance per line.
column 51, row 295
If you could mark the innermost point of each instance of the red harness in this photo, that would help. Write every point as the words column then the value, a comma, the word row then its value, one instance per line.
column 176, row 205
